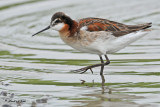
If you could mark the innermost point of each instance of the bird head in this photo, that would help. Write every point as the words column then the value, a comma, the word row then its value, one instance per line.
column 58, row 21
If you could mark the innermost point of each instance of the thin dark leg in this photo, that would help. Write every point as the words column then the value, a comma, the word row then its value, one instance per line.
column 83, row 70
column 103, row 83
column 107, row 60
column 102, row 65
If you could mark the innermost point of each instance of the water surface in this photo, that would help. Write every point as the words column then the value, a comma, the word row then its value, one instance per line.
column 36, row 70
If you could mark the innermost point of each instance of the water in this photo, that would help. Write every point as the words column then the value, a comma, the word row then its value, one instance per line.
column 35, row 71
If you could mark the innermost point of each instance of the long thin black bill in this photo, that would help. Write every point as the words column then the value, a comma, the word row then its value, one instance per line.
column 41, row 30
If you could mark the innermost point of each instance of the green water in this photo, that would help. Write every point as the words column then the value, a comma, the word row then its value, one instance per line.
column 36, row 71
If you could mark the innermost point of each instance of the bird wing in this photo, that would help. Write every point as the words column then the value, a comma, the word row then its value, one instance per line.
column 118, row 29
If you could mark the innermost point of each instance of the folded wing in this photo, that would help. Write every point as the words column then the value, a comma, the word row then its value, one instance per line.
column 118, row 29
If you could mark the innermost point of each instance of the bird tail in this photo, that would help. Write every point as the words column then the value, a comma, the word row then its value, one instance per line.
column 140, row 26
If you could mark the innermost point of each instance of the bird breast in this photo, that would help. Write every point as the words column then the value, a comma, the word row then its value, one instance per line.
column 86, row 41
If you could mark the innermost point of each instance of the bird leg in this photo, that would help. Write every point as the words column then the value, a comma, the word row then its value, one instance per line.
column 102, row 64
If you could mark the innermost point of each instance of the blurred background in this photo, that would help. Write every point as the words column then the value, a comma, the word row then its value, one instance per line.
column 35, row 71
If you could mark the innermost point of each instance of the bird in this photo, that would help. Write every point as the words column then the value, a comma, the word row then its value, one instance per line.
column 95, row 36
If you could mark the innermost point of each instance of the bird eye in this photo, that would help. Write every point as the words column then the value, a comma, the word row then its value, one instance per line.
column 57, row 21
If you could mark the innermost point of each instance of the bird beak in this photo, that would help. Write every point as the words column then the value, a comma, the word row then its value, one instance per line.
column 41, row 30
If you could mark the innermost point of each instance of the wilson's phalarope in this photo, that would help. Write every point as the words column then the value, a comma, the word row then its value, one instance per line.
column 95, row 35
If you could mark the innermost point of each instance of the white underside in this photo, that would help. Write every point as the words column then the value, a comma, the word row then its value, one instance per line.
column 110, row 44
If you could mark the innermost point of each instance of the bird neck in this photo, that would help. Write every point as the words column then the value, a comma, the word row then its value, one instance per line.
column 73, row 28
column 69, row 30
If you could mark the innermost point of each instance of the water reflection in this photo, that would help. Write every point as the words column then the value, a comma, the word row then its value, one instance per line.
column 103, row 85
column 45, row 61
column 105, row 89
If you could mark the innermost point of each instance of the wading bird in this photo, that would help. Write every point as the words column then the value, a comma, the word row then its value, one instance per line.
column 95, row 35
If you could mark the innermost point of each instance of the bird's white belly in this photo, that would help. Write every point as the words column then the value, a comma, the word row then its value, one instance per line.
column 86, row 48
column 106, row 44
column 112, row 44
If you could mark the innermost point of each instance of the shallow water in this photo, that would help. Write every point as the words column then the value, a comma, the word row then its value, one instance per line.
column 35, row 71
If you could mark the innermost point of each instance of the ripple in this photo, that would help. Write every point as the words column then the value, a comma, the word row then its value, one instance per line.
column 37, row 69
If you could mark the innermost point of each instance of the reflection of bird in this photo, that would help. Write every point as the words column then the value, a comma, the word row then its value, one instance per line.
column 95, row 35
column 83, row 81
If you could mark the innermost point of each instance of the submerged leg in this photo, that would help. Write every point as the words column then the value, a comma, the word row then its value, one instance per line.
column 83, row 70
column 103, row 83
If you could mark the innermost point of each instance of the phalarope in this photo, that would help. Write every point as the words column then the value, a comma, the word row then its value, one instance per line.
column 95, row 35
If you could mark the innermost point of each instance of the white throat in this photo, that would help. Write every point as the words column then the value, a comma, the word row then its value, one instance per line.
column 58, row 27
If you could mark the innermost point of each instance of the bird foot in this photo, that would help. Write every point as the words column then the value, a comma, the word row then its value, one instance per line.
column 82, row 70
